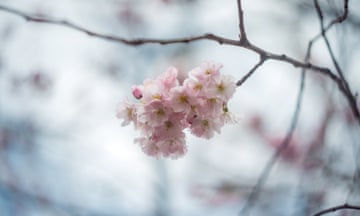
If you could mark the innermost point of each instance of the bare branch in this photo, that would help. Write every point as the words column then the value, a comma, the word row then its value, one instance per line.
column 252, row 70
column 346, row 88
column 132, row 42
column 352, row 19
column 340, row 18
column 142, row 41
column 336, row 208
column 323, row 33
column 267, row 169
column 242, row 35
column 212, row 37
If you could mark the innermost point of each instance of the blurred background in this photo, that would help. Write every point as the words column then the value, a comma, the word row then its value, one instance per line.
column 63, row 152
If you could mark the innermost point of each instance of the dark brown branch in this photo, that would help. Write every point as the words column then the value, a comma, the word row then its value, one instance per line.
column 336, row 208
column 143, row 41
column 252, row 70
column 242, row 35
column 132, row 42
column 340, row 18
column 212, row 37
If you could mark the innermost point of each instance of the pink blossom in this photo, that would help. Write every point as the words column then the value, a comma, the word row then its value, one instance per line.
column 211, row 107
column 195, row 87
column 167, row 106
column 228, row 117
column 174, row 147
column 155, row 113
column 149, row 147
column 169, row 79
column 152, row 89
column 207, row 71
column 205, row 128
column 136, row 91
column 127, row 112
column 224, row 87
column 167, row 130
column 179, row 100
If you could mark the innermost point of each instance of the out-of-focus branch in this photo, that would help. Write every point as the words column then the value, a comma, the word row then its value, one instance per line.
column 340, row 18
column 323, row 34
column 336, row 208
column 285, row 143
column 347, row 91
column 343, row 85
column 36, row 199
column 305, row 7
column 269, row 165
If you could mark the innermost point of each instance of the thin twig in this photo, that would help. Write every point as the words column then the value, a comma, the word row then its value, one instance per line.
column 337, row 208
column 242, row 35
column 267, row 169
column 323, row 34
column 340, row 18
column 252, row 70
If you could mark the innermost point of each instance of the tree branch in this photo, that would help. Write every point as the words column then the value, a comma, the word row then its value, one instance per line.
column 347, row 91
column 244, row 43
column 131, row 42
column 285, row 143
column 252, row 70
column 323, row 34
column 142, row 41
column 269, row 165
column 212, row 37
column 43, row 202
column 242, row 35
column 340, row 18
column 336, row 208
column 306, row 6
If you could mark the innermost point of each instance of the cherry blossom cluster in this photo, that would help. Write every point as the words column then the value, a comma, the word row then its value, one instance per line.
column 168, row 105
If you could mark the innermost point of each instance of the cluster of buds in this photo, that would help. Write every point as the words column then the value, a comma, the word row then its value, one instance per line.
column 167, row 105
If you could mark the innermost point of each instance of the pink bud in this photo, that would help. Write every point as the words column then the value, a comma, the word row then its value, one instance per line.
column 137, row 92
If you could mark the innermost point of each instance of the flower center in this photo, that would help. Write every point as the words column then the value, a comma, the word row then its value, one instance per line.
column 183, row 99
column 160, row 112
